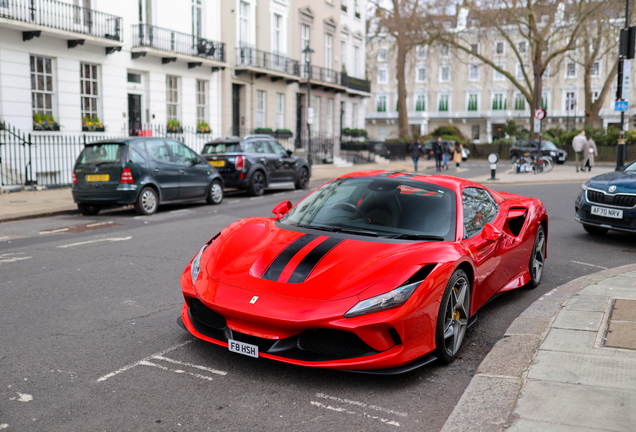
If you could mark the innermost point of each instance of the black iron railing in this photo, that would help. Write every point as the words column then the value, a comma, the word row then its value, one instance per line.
column 63, row 16
column 323, row 75
column 149, row 36
column 357, row 83
column 246, row 56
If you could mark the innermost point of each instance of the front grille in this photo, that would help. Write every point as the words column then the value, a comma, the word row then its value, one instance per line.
column 626, row 222
column 598, row 197
column 207, row 316
column 333, row 342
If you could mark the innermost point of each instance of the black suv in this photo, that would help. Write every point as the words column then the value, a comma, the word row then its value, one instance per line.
column 145, row 172
column 548, row 148
column 256, row 162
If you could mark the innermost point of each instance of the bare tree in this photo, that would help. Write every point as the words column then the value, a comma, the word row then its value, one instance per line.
column 399, row 21
column 548, row 29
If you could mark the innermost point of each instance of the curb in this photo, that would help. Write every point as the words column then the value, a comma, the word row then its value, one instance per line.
column 489, row 401
column 38, row 215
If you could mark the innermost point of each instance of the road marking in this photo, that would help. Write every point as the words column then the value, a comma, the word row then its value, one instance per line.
column 23, row 397
column 589, row 265
column 5, row 237
column 7, row 258
column 279, row 194
column 96, row 241
column 54, row 231
column 331, row 408
column 214, row 371
column 179, row 371
column 180, row 211
column 256, row 198
column 99, row 223
column 360, row 404
column 233, row 202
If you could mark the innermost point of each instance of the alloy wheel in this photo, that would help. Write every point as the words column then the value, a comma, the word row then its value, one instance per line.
column 456, row 316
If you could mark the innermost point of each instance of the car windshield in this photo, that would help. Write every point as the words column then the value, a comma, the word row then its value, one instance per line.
column 382, row 207
column 221, row 148
column 100, row 153
column 549, row 145
column 631, row 167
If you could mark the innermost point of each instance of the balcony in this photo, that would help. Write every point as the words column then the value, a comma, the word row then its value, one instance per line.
column 357, row 86
column 263, row 63
column 75, row 23
column 328, row 79
column 172, row 45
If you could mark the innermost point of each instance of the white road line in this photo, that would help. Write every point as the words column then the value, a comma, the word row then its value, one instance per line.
column 54, row 231
column 233, row 202
column 589, row 265
column 279, row 194
column 360, row 404
column 214, row 371
column 179, row 371
column 130, row 366
column 7, row 258
column 256, row 198
column 5, row 237
column 98, row 224
column 96, row 241
column 180, row 211
column 329, row 407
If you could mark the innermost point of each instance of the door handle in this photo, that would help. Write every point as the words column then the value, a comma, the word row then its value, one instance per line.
column 182, row 172
column 263, row 160
column 156, row 170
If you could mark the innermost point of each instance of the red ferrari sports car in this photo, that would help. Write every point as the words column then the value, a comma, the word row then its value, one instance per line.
column 374, row 271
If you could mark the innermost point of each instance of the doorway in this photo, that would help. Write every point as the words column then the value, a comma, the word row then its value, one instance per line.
column 236, row 109
column 299, row 120
column 134, row 114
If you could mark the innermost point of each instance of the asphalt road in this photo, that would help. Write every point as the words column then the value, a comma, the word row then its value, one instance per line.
column 90, row 342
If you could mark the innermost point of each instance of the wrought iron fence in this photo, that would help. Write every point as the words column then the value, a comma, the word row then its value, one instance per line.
column 63, row 16
column 246, row 56
column 149, row 36
column 322, row 74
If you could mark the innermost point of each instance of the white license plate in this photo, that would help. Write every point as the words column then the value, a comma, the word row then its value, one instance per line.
column 242, row 348
column 607, row 212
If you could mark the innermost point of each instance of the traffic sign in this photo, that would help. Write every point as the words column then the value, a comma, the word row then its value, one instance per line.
column 621, row 106
column 539, row 113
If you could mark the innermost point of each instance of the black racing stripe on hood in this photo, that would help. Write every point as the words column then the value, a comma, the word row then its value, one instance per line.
column 311, row 260
column 278, row 265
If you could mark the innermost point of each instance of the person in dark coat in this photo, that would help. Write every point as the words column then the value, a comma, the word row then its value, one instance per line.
column 437, row 152
column 416, row 151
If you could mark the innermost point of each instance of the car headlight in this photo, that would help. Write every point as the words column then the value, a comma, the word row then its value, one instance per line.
column 195, row 268
column 392, row 299
column 585, row 185
column 552, row 153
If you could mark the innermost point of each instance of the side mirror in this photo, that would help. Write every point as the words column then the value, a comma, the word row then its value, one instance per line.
column 194, row 161
column 281, row 209
column 490, row 233
column 289, row 152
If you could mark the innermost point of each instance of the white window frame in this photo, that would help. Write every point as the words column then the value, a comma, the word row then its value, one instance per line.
column 471, row 68
column 198, row 25
column 478, row 45
column 305, row 40
column 444, row 51
column 441, row 73
column 93, row 95
column 498, row 76
column 448, row 101
column 383, row 75
column 202, row 101
column 472, row 132
column 380, row 100
column 261, row 104
column 343, row 54
column 316, row 106
column 421, row 52
column 523, row 51
column 329, row 51
column 47, row 93
column 329, row 116
column 280, row 110
column 173, row 99
column 418, row 97
column 596, row 73
column 504, row 104
column 354, row 115
column 383, row 54
column 568, row 63
column 244, row 17
column 567, row 101
column 519, row 70
column 418, row 77
column 469, row 96
column 356, row 61
column 503, row 49
column 277, row 34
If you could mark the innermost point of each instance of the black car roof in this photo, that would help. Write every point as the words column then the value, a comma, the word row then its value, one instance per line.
column 236, row 139
column 129, row 140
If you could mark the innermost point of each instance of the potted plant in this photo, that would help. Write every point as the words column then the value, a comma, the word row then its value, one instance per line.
column 92, row 124
column 45, row 123
column 174, row 126
column 203, row 128
column 283, row 133
column 265, row 131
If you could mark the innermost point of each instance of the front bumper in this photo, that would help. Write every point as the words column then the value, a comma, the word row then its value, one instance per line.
column 583, row 215
column 124, row 194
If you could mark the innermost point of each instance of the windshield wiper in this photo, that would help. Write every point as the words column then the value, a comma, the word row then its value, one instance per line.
column 416, row 237
column 338, row 229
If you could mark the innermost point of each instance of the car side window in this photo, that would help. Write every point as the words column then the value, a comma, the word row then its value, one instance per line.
column 249, row 147
column 135, row 157
column 180, row 152
column 277, row 148
column 263, row 147
column 479, row 209
column 158, row 150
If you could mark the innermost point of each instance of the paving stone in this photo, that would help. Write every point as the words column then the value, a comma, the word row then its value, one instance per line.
column 619, row 282
column 609, row 291
column 624, row 310
column 511, row 356
column 542, row 309
column 587, row 369
column 475, row 413
column 587, row 303
column 578, row 320
column 621, row 334
column 535, row 426
column 527, row 326
column 578, row 406
column 565, row 340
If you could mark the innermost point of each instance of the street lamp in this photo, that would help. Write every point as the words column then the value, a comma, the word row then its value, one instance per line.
column 307, row 52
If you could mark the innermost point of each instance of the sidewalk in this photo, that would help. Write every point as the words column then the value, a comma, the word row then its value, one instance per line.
column 28, row 204
column 566, row 364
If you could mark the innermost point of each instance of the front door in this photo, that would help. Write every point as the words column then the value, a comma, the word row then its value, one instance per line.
column 193, row 171
column 134, row 114
column 236, row 109
column 299, row 120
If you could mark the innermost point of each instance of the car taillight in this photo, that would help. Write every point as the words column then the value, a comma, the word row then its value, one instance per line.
column 126, row 176
column 240, row 163
column 74, row 178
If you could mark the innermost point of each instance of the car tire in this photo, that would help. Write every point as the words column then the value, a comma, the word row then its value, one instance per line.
column 257, row 184
column 88, row 209
column 215, row 194
column 452, row 319
column 537, row 258
column 147, row 202
column 594, row 230
column 303, row 179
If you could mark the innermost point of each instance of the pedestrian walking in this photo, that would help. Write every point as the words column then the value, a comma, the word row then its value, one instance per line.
column 437, row 152
column 590, row 151
column 578, row 144
column 416, row 151
column 457, row 154
column 446, row 152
